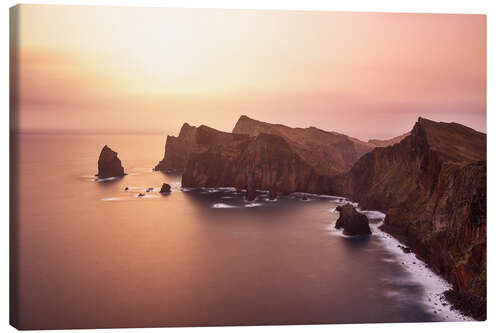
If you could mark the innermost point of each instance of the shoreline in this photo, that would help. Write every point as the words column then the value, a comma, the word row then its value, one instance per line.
column 434, row 285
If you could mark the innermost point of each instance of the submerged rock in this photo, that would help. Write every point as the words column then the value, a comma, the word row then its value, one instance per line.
column 165, row 188
column 109, row 165
column 140, row 195
column 353, row 222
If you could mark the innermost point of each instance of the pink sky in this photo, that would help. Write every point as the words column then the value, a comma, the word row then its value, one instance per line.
column 151, row 69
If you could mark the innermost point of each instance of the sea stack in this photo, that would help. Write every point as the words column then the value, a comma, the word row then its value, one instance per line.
column 354, row 223
column 165, row 188
column 109, row 165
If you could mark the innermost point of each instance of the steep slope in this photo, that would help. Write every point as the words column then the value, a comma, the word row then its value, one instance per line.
column 177, row 150
column 328, row 152
column 265, row 162
column 432, row 186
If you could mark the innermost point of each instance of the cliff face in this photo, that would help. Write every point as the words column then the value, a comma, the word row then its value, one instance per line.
column 265, row 161
column 177, row 150
column 328, row 152
column 432, row 186
column 109, row 165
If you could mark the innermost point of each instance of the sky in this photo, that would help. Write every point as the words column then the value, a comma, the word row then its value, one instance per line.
column 132, row 69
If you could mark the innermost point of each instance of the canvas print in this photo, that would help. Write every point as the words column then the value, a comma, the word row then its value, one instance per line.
column 211, row 167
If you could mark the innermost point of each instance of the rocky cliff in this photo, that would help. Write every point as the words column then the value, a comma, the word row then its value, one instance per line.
column 432, row 186
column 177, row 150
column 263, row 161
column 328, row 152
column 109, row 165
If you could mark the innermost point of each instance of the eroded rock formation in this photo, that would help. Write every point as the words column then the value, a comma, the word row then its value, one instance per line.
column 327, row 152
column 165, row 188
column 177, row 150
column 353, row 222
column 247, row 162
column 109, row 165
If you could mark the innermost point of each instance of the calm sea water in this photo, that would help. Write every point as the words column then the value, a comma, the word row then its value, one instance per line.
column 94, row 255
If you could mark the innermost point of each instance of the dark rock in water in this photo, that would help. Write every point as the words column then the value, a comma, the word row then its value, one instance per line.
column 250, row 194
column 354, row 223
column 405, row 249
column 126, row 188
column 165, row 188
column 141, row 195
column 304, row 198
column 272, row 194
column 109, row 165
column 150, row 189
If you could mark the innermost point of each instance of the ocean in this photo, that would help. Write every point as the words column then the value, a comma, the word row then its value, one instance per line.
column 92, row 255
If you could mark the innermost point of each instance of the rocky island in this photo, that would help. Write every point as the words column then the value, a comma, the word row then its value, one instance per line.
column 109, row 165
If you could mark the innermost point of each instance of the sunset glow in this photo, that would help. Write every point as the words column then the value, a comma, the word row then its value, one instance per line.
column 151, row 69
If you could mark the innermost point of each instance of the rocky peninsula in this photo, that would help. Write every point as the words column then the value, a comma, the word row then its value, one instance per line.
column 430, row 183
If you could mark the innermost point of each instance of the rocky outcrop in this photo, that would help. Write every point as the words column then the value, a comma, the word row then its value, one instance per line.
column 432, row 187
column 353, row 222
column 109, row 165
column 328, row 153
column 165, row 188
column 177, row 150
column 261, row 162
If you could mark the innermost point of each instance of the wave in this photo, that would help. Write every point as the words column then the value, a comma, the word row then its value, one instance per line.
column 373, row 214
column 433, row 285
column 223, row 205
column 253, row 204
column 99, row 180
